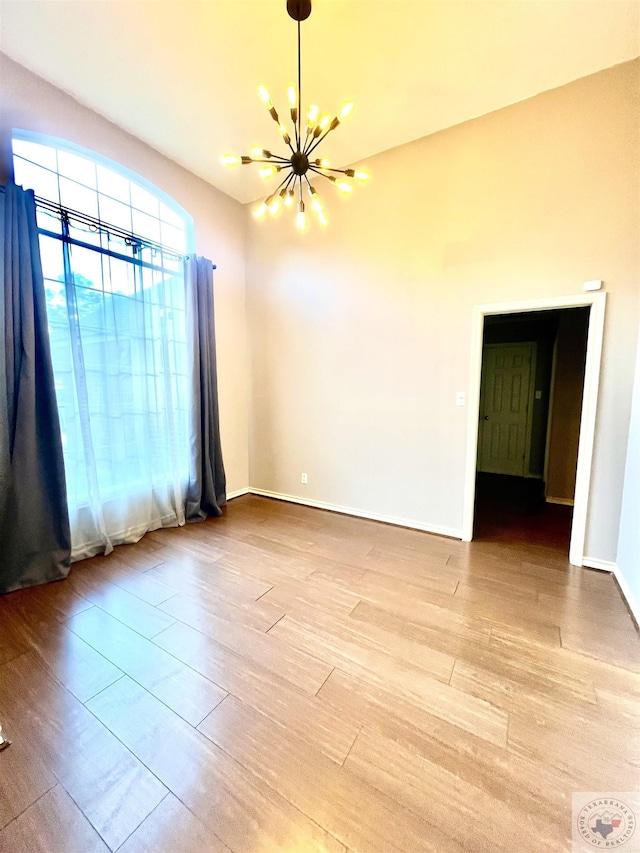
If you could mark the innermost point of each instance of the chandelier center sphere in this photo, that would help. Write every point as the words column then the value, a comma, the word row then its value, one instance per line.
column 299, row 163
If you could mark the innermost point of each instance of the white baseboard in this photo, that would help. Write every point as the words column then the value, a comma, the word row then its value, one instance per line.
column 238, row 493
column 561, row 501
column 632, row 602
column 359, row 513
column 607, row 566
column 600, row 565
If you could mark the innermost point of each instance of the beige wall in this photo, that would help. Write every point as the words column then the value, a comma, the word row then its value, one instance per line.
column 628, row 558
column 29, row 103
column 360, row 334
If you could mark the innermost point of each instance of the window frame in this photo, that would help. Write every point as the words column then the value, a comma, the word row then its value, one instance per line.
column 101, row 160
column 138, row 263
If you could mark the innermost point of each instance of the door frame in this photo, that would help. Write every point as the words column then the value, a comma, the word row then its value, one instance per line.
column 596, row 302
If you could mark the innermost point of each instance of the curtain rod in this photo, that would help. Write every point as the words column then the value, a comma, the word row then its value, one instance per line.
column 93, row 222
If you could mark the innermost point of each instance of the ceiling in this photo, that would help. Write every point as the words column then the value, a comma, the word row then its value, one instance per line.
column 182, row 74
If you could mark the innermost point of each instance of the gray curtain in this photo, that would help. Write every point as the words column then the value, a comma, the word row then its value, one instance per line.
column 206, row 492
column 34, row 522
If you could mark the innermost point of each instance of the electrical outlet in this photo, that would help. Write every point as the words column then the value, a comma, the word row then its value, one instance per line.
column 303, row 479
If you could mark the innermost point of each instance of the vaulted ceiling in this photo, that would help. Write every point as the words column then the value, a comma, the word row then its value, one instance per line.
column 182, row 74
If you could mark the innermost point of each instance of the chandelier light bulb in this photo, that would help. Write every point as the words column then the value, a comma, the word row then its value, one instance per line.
column 275, row 205
column 344, row 112
column 361, row 175
column 259, row 152
column 344, row 187
column 293, row 104
column 231, row 160
column 312, row 115
column 268, row 171
column 288, row 199
column 265, row 97
column 301, row 218
column 260, row 210
column 316, row 204
column 323, row 163
column 285, row 133
column 325, row 121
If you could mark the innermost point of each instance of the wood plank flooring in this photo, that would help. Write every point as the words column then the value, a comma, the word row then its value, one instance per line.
column 287, row 679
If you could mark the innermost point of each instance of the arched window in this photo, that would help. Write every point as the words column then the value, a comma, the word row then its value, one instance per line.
column 83, row 181
column 112, row 249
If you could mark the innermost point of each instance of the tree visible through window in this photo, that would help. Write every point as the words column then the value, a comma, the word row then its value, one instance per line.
column 117, row 327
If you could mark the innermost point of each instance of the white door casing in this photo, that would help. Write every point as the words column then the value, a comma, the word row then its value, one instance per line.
column 596, row 302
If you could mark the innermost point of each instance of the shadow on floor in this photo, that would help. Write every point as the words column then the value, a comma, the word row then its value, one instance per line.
column 513, row 509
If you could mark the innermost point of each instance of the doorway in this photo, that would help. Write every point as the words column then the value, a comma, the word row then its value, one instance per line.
column 529, row 449
column 530, row 400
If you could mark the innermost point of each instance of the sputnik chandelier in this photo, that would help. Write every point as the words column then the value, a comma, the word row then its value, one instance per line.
column 297, row 167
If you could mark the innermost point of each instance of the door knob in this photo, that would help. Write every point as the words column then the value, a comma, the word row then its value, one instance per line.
column 486, row 417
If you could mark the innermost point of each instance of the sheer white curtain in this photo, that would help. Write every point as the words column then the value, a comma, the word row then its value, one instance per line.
column 119, row 350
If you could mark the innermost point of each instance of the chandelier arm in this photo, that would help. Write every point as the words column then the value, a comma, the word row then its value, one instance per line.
column 308, row 143
column 293, row 151
column 279, row 187
column 318, row 172
column 319, row 140
column 287, row 180
column 275, row 157
column 290, row 178
column 315, row 141
column 281, row 159
column 276, row 118
column 329, row 169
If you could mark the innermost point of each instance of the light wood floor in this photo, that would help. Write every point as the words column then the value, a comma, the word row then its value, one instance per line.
column 285, row 679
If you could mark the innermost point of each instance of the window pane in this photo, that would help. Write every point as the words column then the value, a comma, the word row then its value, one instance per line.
column 173, row 238
column 170, row 263
column 170, row 216
column 85, row 233
column 51, row 255
column 76, row 197
column 146, row 226
column 48, row 220
column 115, row 213
column 42, row 154
column 79, row 168
column 87, row 267
column 119, row 277
column 112, row 184
column 56, row 302
column 43, row 182
column 144, row 201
